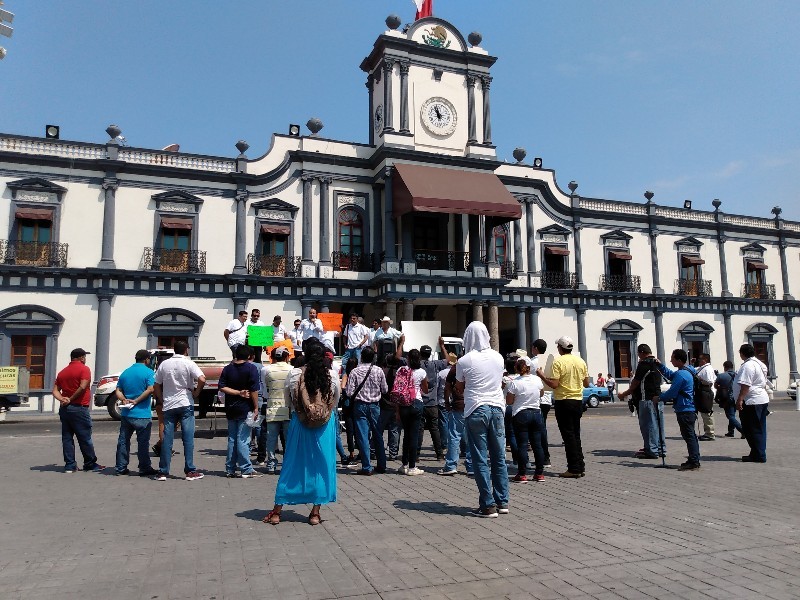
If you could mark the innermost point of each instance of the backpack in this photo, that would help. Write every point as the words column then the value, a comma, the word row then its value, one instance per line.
column 313, row 411
column 403, row 392
column 724, row 394
column 703, row 395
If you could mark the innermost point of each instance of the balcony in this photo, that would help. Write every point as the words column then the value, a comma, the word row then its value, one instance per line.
column 33, row 254
column 358, row 262
column 174, row 261
column 442, row 260
column 620, row 283
column 693, row 287
column 765, row 291
column 273, row 266
column 557, row 280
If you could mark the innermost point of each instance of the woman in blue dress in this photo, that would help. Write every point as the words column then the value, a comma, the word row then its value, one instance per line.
column 308, row 474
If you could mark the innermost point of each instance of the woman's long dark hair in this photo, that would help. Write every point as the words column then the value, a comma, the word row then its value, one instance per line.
column 414, row 360
column 317, row 375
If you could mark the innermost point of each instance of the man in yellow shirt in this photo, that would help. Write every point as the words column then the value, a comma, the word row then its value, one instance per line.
column 570, row 376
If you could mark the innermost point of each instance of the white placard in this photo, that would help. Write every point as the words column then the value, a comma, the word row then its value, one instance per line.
column 421, row 333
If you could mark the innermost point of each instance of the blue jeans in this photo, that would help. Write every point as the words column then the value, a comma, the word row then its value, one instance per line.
column 349, row 353
column 733, row 422
column 487, row 445
column 76, row 421
column 510, row 437
column 528, row 425
column 649, row 419
column 339, row 445
column 273, row 429
column 545, row 443
column 366, row 416
column 184, row 414
column 238, row 447
column 686, row 421
column 754, row 427
column 455, row 431
column 142, row 428
column 389, row 421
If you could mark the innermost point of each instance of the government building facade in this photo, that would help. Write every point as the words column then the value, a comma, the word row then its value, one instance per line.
column 113, row 248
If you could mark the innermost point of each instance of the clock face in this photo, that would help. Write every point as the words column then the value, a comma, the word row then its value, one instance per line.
column 439, row 116
column 378, row 120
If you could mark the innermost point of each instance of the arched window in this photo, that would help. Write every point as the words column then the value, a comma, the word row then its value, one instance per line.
column 351, row 232
column 28, row 338
column 694, row 338
column 760, row 337
column 500, row 241
column 169, row 325
column 621, row 340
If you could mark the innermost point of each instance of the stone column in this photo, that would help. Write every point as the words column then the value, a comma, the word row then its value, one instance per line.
column 407, row 235
column 477, row 310
column 488, row 241
column 726, row 319
column 308, row 222
column 521, row 341
column 723, row 268
column 531, row 243
column 493, row 326
column 581, row 312
column 404, row 66
column 388, row 218
column 518, row 248
column 103, row 346
column 533, row 324
column 578, row 259
column 388, row 72
column 654, row 263
column 110, row 185
column 787, row 295
column 240, row 266
column 408, row 309
column 391, row 310
column 377, row 222
column 324, row 307
column 793, row 374
column 472, row 136
column 325, row 217
column 659, row 315
column 487, row 112
column 474, row 241
column 461, row 319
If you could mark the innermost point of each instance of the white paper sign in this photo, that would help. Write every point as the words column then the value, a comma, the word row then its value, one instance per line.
column 421, row 333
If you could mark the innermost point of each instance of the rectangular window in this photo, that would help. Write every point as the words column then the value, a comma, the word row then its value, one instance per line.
column 274, row 244
column 622, row 359
column 168, row 341
column 176, row 239
column 762, row 351
column 29, row 351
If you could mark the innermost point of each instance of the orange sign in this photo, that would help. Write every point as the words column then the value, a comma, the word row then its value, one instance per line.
column 287, row 343
column 331, row 321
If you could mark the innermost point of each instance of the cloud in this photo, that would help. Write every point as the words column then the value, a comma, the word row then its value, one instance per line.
column 778, row 161
column 671, row 184
column 731, row 169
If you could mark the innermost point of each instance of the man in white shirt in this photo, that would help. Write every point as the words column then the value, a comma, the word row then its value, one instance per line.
column 255, row 321
column 178, row 382
column 356, row 337
column 479, row 374
column 236, row 332
column 312, row 326
column 278, row 330
column 706, row 375
column 296, row 335
column 752, row 402
column 386, row 332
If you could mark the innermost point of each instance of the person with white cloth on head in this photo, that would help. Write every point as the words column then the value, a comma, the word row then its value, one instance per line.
column 479, row 375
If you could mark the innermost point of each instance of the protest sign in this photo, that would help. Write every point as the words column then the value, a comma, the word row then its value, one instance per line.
column 260, row 336
column 331, row 321
column 421, row 333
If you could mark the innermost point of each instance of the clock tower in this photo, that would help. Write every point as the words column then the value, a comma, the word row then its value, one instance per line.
column 429, row 89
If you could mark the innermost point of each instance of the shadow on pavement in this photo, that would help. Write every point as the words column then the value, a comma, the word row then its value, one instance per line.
column 49, row 468
column 437, row 507
column 288, row 515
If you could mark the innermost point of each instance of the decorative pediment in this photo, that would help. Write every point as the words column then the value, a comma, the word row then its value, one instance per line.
column 753, row 249
column 697, row 327
column 35, row 189
column 177, row 201
column 616, row 238
column 688, row 244
column 554, row 233
column 622, row 326
column 436, row 33
column 275, row 209
column 761, row 329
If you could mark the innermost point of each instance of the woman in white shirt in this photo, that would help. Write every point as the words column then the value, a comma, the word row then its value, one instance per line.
column 523, row 394
column 411, row 416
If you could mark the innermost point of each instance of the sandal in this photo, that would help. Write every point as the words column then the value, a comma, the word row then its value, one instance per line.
column 273, row 517
column 314, row 518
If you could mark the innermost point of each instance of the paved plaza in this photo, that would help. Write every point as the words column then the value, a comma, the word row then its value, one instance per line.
column 627, row 530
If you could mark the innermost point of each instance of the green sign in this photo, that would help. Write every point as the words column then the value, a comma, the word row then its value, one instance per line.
column 260, row 336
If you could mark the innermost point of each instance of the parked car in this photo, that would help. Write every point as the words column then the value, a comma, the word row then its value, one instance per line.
column 792, row 390
column 211, row 367
column 594, row 395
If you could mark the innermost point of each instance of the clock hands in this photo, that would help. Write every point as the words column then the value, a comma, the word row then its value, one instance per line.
column 438, row 112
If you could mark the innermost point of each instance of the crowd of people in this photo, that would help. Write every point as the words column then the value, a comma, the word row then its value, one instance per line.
column 476, row 405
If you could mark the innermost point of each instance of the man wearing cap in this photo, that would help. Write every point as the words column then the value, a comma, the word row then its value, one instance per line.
column 570, row 376
column 134, row 391
column 276, row 408
column 72, row 391
column 236, row 332
column 356, row 337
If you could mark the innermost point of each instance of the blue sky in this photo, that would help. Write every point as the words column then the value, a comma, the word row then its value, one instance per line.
column 689, row 99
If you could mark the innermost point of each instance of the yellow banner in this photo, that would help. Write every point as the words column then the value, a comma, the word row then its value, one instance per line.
column 9, row 377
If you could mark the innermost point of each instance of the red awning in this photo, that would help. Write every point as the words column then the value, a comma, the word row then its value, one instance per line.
column 176, row 223
column 620, row 255
column 691, row 261
column 39, row 214
column 556, row 250
column 756, row 266
column 438, row 190
column 278, row 229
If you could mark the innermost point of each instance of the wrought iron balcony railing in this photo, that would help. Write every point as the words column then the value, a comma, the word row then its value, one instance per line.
column 555, row 280
column 358, row 262
column 620, row 283
column 33, row 254
column 508, row 270
column 755, row 290
column 174, row 261
column 442, row 260
column 273, row 266
column 693, row 287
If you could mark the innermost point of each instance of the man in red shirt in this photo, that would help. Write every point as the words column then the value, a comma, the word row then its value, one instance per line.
column 72, row 391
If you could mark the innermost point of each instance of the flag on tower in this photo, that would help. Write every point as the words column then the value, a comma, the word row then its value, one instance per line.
column 424, row 8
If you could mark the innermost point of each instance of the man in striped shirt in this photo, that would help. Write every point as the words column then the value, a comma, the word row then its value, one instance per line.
column 365, row 384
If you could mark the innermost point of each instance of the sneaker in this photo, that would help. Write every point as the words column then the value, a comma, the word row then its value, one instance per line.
column 538, row 478
column 148, row 473
column 366, row 472
column 95, row 469
column 260, row 463
column 687, row 466
column 234, row 475
column 415, row 471
column 447, row 472
column 547, row 465
column 403, row 470
column 570, row 475
column 379, row 471
column 520, row 479
column 502, row 509
column 484, row 513
column 69, row 470
column 730, row 435
column 470, row 474
column 123, row 472
column 159, row 477
column 271, row 470
column 192, row 475
column 251, row 475
column 707, row 438
column 751, row 459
